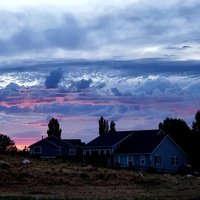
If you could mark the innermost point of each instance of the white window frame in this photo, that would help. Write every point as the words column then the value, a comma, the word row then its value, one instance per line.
column 130, row 159
column 58, row 151
column 142, row 160
column 157, row 158
column 72, row 151
column 108, row 152
column 117, row 159
column 174, row 161
column 37, row 152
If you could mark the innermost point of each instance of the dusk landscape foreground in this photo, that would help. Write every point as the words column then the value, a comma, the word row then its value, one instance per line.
column 56, row 179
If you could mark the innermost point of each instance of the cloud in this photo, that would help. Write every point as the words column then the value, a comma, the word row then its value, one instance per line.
column 82, row 84
column 136, row 94
column 111, row 31
column 53, row 79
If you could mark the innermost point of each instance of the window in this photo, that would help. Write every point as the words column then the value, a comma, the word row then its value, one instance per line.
column 101, row 152
column 95, row 152
column 157, row 160
column 37, row 150
column 130, row 161
column 58, row 151
column 107, row 152
column 174, row 160
column 142, row 160
column 116, row 160
column 87, row 152
column 72, row 151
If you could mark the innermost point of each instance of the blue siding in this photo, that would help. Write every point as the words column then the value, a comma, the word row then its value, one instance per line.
column 47, row 149
column 136, row 160
column 166, row 150
column 63, row 145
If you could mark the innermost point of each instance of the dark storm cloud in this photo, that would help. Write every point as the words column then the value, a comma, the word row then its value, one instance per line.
column 25, row 35
column 143, row 23
column 53, row 79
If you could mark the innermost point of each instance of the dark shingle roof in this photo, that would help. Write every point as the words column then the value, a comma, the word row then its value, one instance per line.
column 144, row 141
column 76, row 142
column 108, row 139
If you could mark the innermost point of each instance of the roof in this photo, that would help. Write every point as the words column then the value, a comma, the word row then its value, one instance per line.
column 76, row 142
column 56, row 141
column 42, row 141
column 144, row 141
column 108, row 139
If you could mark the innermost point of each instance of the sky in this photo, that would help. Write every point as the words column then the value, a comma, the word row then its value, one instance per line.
column 135, row 62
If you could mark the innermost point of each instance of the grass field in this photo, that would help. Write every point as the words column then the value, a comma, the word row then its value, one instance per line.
column 56, row 179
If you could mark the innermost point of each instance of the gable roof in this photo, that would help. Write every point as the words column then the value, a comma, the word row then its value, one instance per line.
column 144, row 141
column 56, row 141
column 108, row 140
column 43, row 141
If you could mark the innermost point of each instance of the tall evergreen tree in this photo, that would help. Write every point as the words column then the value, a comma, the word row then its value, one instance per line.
column 54, row 128
column 177, row 129
column 6, row 144
column 196, row 123
column 112, row 127
column 103, row 126
column 195, row 141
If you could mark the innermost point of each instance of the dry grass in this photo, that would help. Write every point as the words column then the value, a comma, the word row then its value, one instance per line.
column 63, row 180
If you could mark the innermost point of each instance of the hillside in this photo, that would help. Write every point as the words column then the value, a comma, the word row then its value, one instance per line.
column 56, row 179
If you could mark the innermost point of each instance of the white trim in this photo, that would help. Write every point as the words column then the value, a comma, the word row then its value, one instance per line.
column 159, row 144
column 142, row 159
column 159, row 160
column 176, row 145
column 58, row 151
column 167, row 136
column 122, row 139
column 72, row 151
column 174, row 158
column 37, row 152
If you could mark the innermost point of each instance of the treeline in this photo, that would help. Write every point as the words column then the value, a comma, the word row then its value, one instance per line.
column 187, row 138
column 8, row 147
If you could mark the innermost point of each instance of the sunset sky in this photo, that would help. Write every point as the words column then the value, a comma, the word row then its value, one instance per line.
column 135, row 62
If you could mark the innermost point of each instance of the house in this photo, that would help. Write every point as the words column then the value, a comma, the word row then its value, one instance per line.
column 139, row 149
column 52, row 147
column 150, row 149
column 100, row 150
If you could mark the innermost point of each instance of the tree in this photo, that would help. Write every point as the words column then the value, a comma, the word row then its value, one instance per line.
column 54, row 128
column 177, row 129
column 196, row 123
column 6, row 144
column 195, row 141
column 112, row 127
column 103, row 126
